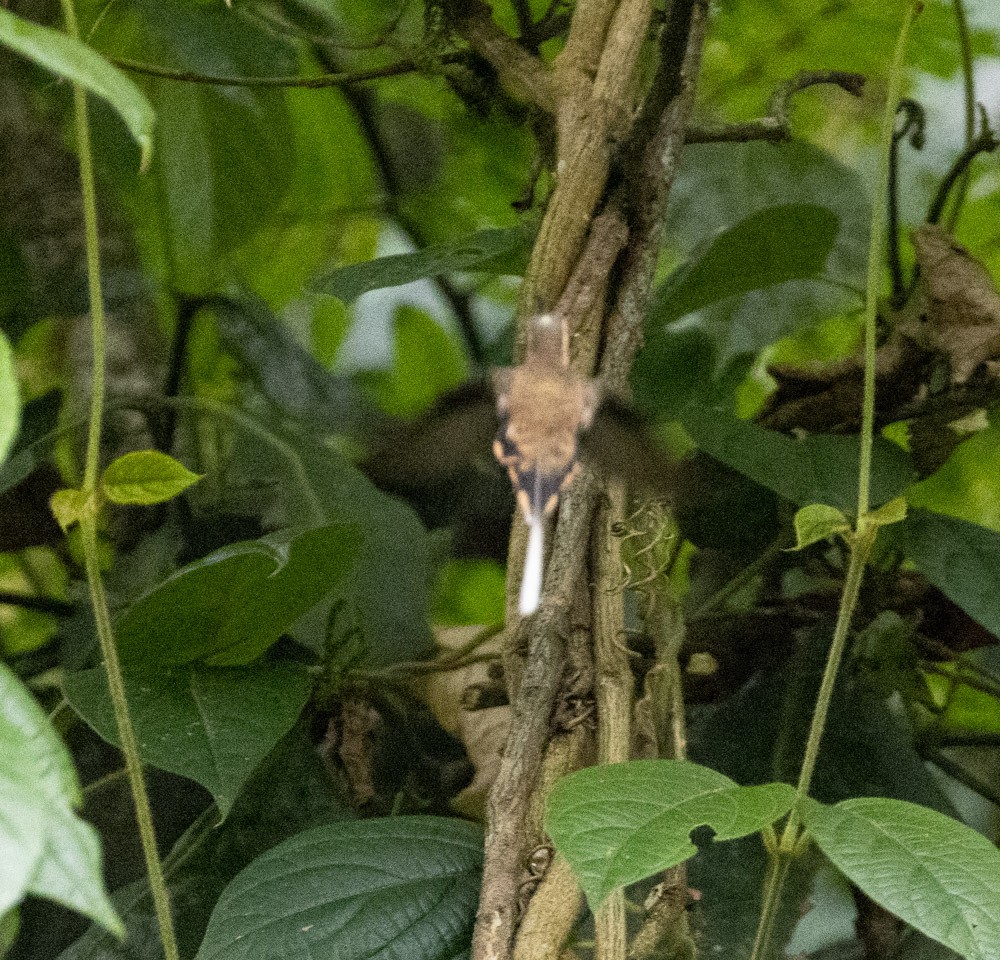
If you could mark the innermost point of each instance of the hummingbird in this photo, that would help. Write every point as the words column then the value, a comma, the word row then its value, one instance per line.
column 542, row 417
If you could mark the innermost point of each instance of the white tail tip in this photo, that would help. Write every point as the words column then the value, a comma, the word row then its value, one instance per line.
column 531, row 579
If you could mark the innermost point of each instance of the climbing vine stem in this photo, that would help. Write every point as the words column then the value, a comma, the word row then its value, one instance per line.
column 88, row 525
column 863, row 537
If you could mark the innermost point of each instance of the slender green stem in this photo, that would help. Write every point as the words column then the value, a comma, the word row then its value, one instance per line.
column 876, row 244
column 95, row 583
column 969, row 85
column 865, row 533
column 127, row 739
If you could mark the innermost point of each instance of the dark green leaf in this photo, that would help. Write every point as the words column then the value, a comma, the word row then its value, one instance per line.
column 818, row 469
column 623, row 822
column 723, row 184
column 75, row 61
column 288, row 375
column 225, row 153
column 491, row 251
column 45, row 849
column 960, row 558
column 229, row 607
column 292, row 791
column 934, row 872
column 210, row 724
column 405, row 887
column 767, row 248
column 393, row 624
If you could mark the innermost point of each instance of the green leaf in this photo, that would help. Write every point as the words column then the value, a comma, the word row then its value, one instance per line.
column 723, row 184
column 290, row 792
column 392, row 624
column 400, row 887
column 73, row 506
column 230, row 606
column 146, row 477
column 45, row 849
column 212, row 725
column 10, row 403
column 818, row 469
column 428, row 363
column 819, row 522
column 224, row 155
column 75, row 61
column 937, row 874
column 619, row 823
column 769, row 247
column 961, row 559
column 288, row 375
column 889, row 513
column 491, row 251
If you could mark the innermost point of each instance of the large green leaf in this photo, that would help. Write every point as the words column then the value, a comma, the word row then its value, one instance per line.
column 935, row 873
column 75, row 61
column 961, row 559
column 767, row 188
column 384, row 600
column 224, row 153
column 10, row 403
column 620, row 823
column 766, row 248
column 400, row 887
column 229, row 607
column 45, row 849
column 213, row 725
column 492, row 251
column 817, row 469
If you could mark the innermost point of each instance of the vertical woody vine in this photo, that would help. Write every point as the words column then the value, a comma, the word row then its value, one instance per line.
column 617, row 148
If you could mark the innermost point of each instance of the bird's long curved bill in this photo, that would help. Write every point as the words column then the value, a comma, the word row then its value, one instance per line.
column 531, row 579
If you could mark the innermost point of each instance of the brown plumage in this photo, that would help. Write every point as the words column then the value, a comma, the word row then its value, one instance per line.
column 548, row 415
column 542, row 405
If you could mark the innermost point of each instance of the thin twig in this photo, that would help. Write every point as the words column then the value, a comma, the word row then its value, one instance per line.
column 985, row 142
column 776, row 125
column 338, row 79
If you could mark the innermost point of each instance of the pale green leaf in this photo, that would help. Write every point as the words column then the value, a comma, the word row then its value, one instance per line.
column 45, row 848
column 620, row 823
column 819, row 522
column 892, row 512
column 146, row 477
column 10, row 403
column 69, row 58
column 937, row 874
column 70, row 506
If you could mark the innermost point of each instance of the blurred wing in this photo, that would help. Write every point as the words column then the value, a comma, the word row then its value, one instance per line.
column 457, row 429
column 618, row 443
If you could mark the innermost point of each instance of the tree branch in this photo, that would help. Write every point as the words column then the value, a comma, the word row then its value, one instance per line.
column 521, row 73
